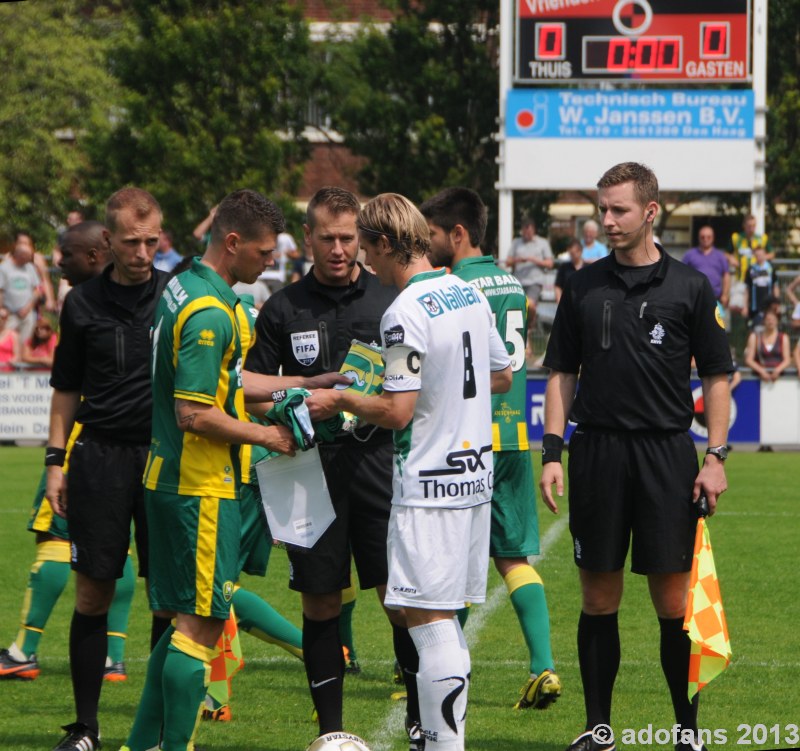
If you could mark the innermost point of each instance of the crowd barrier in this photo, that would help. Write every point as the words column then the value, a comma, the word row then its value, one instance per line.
column 760, row 413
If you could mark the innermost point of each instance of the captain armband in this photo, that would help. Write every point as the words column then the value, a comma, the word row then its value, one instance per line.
column 552, row 446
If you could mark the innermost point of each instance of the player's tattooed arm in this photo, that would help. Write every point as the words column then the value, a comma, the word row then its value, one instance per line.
column 186, row 419
column 213, row 424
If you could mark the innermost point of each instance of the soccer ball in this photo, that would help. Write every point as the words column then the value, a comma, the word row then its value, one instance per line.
column 338, row 741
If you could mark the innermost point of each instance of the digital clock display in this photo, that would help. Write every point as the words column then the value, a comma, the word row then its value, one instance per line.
column 646, row 54
column 648, row 41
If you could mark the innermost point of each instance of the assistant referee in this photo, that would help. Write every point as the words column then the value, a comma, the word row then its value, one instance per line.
column 630, row 325
column 101, row 378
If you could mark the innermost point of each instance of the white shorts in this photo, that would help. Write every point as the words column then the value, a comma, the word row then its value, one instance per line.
column 438, row 558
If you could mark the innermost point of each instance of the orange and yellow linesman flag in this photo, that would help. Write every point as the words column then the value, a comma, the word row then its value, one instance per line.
column 227, row 663
column 705, row 618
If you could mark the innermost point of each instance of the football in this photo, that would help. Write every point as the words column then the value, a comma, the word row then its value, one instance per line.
column 339, row 741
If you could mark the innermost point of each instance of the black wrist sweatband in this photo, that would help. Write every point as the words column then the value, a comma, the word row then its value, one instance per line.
column 552, row 446
column 54, row 457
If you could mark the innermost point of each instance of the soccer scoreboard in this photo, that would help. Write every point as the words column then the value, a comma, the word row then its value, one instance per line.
column 698, row 41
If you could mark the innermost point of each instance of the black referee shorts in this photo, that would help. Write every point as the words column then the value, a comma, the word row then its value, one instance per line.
column 360, row 483
column 638, row 485
column 104, row 493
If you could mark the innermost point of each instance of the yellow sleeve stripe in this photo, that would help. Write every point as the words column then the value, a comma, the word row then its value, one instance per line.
column 180, row 320
column 193, row 396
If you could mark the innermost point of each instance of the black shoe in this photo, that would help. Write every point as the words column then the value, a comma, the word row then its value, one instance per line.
column 78, row 738
column 593, row 740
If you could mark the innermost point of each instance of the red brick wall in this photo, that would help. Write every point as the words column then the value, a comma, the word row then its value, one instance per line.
column 330, row 164
column 344, row 10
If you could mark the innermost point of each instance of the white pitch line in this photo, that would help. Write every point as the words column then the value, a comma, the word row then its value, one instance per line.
column 393, row 722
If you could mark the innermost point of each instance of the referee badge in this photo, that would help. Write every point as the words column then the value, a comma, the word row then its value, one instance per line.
column 719, row 314
column 305, row 346
column 657, row 334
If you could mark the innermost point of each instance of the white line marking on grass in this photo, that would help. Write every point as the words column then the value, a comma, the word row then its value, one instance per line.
column 394, row 720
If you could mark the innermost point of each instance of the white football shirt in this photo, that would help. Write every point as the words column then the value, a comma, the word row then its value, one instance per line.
column 439, row 339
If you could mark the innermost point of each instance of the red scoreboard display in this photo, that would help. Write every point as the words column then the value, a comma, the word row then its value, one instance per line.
column 692, row 41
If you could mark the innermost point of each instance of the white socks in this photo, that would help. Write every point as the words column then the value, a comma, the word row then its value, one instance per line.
column 442, row 682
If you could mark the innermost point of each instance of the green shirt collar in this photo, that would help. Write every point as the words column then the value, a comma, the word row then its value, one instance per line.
column 472, row 261
column 423, row 275
column 224, row 290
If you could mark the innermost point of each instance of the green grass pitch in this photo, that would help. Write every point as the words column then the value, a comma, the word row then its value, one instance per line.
column 755, row 703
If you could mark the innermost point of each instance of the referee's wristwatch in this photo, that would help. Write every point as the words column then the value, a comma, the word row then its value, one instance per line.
column 721, row 452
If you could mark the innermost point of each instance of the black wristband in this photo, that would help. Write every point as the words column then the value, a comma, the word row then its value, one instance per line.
column 552, row 446
column 54, row 457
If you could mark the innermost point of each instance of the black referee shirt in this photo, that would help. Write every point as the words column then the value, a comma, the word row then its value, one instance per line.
column 306, row 328
column 104, row 353
column 631, row 333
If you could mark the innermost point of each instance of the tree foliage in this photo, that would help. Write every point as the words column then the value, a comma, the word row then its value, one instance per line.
column 783, row 124
column 55, row 88
column 419, row 100
column 215, row 99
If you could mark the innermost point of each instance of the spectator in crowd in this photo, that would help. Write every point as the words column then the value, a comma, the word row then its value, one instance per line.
column 530, row 258
column 43, row 270
column 166, row 257
column 740, row 256
column 760, row 285
column 20, row 286
column 712, row 262
column 768, row 352
column 258, row 290
column 9, row 342
column 575, row 261
column 202, row 232
column 39, row 349
column 796, row 356
column 790, row 293
column 275, row 277
column 303, row 263
column 593, row 249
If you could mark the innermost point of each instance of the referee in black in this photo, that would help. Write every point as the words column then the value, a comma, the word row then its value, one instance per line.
column 306, row 329
column 101, row 379
column 630, row 324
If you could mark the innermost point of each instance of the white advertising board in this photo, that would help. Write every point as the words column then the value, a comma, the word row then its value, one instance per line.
column 25, row 406
column 780, row 412
column 565, row 139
